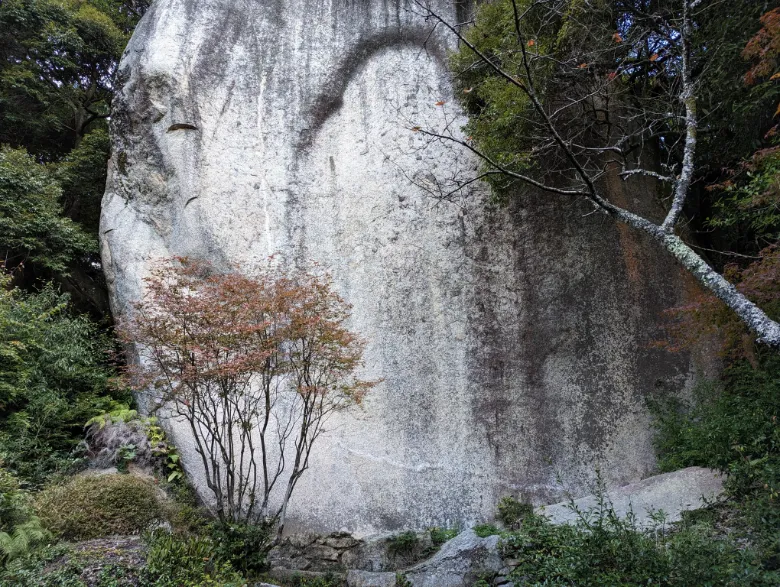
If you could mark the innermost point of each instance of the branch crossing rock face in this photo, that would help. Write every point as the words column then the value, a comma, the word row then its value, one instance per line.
column 513, row 342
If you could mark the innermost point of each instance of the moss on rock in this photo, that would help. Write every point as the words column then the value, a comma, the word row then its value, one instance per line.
column 95, row 506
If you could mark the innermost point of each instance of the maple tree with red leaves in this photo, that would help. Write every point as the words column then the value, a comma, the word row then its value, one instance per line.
column 764, row 48
column 253, row 365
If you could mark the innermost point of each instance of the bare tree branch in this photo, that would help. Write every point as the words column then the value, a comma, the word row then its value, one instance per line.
column 649, row 127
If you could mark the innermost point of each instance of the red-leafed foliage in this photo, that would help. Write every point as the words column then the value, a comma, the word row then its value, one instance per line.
column 706, row 317
column 764, row 49
column 254, row 364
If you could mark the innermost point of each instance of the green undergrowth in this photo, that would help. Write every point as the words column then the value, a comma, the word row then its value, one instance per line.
column 731, row 426
column 603, row 549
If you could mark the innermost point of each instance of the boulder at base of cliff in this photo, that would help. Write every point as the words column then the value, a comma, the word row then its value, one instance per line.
column 671, row 493
column 460, row 562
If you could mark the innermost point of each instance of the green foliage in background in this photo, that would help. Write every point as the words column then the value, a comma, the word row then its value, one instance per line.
column 602, row 549
column 733, row 426
column 20, row 530
column 748, row 205
column 32, row 228
column 82, row 176
column 54, row 377
column 57, row 61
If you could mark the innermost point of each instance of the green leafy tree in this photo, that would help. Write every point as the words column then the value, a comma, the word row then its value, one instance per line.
column 57, row 61
column 82, row 176
column 54, row 377
column 31, row 225
column 246, row 363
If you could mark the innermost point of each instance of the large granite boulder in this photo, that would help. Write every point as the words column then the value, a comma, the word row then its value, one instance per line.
column 513, row 343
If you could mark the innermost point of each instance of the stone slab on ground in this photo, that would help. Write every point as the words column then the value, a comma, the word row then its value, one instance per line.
column 674, row 493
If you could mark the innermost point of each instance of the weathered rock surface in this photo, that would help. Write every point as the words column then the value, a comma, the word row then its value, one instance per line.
column 673, row 493
column 460, row 563
column 339, row 551
column 513, row 343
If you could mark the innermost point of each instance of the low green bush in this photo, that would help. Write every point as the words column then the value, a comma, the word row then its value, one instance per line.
column 485, row 530
column 94, row 506
column 175, row 560
column 441, row 535
column 20, row 530
column 602, row 549
column 244, row 546
column 733, row 426
column 511, row 511
column 402, row 544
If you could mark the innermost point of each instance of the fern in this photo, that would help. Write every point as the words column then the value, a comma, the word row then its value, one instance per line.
column 24, row 538
column 121, row 414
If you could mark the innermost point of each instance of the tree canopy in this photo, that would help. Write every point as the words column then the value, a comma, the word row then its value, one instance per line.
column 562, row 94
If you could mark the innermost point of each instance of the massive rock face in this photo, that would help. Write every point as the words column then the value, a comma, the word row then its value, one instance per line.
column 513, row 342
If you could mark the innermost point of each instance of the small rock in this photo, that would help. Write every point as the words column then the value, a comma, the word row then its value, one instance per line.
column 340, row 541
column 322, row 552
column 460, row 562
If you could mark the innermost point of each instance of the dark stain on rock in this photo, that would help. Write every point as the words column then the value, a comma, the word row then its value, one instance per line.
column 182, row 126
column 330, row 98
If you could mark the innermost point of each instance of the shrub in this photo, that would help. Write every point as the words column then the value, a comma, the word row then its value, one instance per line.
column 20, row 529
column 511, row 511
column 602, row 549
column 733, row 426
column 12, row 502
column 53, row 378
column 485, row 530
column 441, row 535
column 95, row 506
column 183, row 561
column 402, row 544
column 244, row 546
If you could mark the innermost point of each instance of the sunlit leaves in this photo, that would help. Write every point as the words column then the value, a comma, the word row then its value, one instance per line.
column 764, row 49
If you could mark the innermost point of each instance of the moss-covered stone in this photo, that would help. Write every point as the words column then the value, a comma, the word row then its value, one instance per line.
column 96, row 506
